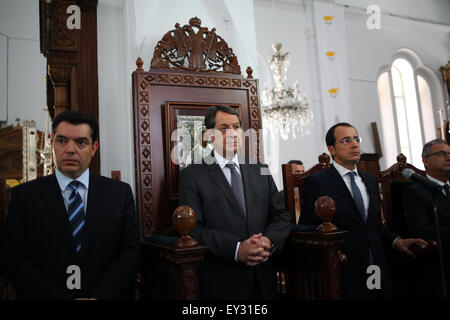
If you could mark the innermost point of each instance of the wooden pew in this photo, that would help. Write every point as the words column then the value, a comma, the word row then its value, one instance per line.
column 310, row 265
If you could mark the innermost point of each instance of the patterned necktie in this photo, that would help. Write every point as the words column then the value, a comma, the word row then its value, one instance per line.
column 76, row 213
column 237, row 186
column 357, row 195
column 447, row 191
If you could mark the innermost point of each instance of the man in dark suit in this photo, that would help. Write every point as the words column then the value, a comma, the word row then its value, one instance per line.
column 355, row 194
column 239, row 215
column 73, row 234
column 418, row 208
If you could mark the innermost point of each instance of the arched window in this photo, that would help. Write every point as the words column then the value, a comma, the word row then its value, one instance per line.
column 408, row 93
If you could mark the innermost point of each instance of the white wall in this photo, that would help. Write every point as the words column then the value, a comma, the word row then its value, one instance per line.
column 131, row 29
column 422, row 26
column 369, row 50
column 233, row 20
column 285, row 23
column 114, row 78
column 23, row 67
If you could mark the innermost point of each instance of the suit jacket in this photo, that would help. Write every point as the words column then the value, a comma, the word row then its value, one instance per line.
column 419, row 214
column 221, row 223
column 362, row 235
column 39, row 247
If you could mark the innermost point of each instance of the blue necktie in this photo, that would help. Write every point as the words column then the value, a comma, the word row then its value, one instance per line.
column 447, row 191
column 237, row 186
column 76, row 214
column 357, row 195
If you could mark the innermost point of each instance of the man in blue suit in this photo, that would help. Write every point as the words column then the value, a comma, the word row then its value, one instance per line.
column 356, row 196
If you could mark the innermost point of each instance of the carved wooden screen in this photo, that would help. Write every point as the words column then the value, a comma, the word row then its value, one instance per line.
column 192, row 69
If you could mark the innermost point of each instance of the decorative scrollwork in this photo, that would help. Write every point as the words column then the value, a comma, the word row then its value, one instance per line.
column 184, row 48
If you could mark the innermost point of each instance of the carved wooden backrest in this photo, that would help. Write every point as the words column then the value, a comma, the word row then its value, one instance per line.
column 369, row 163
column 192, row 69
column 292, row 181
column 12, row 145
column 391, row 181
column 11, row 152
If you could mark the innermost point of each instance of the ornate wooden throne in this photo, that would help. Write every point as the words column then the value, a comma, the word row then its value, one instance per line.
column 192, row 69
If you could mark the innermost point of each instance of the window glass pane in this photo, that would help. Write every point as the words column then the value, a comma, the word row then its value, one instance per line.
column 402, row 127
column 408, row 111
column 389, row 141
column 426, row 109
column 397, row 82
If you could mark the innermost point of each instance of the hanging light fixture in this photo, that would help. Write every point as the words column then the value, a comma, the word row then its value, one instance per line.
column 285, row 108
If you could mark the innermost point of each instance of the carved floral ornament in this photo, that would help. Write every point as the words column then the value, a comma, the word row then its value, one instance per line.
column 188, row 49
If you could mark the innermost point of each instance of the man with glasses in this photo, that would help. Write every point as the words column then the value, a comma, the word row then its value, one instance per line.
column 356, row 196
column 72, row 234
column 418, row 204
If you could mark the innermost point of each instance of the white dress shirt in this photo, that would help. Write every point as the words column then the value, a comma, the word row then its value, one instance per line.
column 64, row 182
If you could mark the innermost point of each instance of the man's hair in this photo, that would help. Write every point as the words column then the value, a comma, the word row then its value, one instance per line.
column 330, row 138
column 210, row 117
column 427, row 147
column 296, row 162
column 77, row 117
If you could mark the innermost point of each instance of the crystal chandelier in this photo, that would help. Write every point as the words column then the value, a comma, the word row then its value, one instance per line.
column 284, row 108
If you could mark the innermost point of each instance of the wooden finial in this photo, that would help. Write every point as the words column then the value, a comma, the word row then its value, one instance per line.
column 401, row 158
column 249, row 73
column 325, row 209
column 139, row 64
column 324, row 159
column 183, row 220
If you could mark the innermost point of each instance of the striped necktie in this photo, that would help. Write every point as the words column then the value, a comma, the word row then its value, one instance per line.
column 76, row 213
column 237, row 186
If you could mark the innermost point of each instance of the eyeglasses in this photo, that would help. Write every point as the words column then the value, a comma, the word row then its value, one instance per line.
column 347, row 140
column 439, row 153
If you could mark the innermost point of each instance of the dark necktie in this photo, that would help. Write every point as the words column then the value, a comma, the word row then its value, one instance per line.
column 76, row 214
column 237, row 186
column 447, row 191
column 357, row 197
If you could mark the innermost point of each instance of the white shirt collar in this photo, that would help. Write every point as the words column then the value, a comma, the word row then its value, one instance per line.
column 342, row 170
column 222, row 162
column 64, row 181
column 439, row 182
